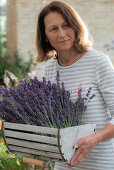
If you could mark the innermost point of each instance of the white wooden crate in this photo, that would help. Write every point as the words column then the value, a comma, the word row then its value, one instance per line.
column 49, row 143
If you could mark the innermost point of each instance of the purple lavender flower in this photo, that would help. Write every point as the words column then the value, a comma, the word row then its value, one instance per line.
column 42, row 103
column 89, row 91
column 57, row 77
column 91, row 97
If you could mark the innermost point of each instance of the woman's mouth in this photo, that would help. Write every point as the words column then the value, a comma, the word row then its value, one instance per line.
column 64, row 41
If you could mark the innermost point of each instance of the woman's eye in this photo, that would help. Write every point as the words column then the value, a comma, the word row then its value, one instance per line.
column 53, row 29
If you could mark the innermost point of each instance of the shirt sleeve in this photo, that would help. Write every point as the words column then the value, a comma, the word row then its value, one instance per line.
column 105, row 80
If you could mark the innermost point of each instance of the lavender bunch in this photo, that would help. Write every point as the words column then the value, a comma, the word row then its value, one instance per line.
column 42, row 103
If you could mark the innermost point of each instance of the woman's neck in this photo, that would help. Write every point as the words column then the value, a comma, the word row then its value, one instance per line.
column 66, row 57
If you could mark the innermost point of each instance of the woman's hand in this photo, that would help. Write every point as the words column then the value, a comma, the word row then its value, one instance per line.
column 83, row 147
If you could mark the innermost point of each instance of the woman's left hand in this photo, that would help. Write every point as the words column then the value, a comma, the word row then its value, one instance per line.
column 83, row 147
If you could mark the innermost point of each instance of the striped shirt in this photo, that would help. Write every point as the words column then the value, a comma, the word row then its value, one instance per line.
column 94, row 70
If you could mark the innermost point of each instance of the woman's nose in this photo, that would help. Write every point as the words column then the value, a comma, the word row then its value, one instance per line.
column 61, row 32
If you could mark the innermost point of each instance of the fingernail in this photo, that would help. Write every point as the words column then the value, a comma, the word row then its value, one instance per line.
column 75, row 146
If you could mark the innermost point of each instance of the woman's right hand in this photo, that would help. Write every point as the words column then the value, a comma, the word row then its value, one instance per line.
column 83, row 147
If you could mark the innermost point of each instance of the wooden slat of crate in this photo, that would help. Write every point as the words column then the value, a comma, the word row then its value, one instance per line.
column 34, row 145
column 28, row 139
column 32, row 137
column 39, row 157
column 31, row 128
column 20, row 153
column 35, row 152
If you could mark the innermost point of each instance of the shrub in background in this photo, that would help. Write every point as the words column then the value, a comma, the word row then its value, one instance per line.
column 15, row 65
column 9, row 161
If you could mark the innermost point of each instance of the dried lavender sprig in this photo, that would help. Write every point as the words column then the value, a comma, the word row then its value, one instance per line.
column 36, row 93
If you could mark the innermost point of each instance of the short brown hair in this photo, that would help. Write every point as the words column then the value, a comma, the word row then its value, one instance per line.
column 44, row 49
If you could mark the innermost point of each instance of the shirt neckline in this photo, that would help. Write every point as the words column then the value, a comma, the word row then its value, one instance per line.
column 66, row 67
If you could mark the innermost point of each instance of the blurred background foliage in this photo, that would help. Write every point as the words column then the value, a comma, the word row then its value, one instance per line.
column 19, row 68
column 15, row 65
column 9, row 161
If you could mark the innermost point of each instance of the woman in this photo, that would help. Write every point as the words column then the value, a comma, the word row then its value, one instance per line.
column 62, row 36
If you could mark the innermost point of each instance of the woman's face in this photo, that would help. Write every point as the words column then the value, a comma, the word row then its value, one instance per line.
column 60, row 35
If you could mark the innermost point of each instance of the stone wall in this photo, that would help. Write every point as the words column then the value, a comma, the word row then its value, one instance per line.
column 11, row 26
column 22, row 18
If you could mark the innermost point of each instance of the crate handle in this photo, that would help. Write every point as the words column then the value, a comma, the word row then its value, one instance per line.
column 36, row 162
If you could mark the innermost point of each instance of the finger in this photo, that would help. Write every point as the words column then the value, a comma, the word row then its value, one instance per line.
column 78, row 151
column 76, row 161
column 75, row 156
column 78, row 143
column 75, row 146
column 80, row 159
